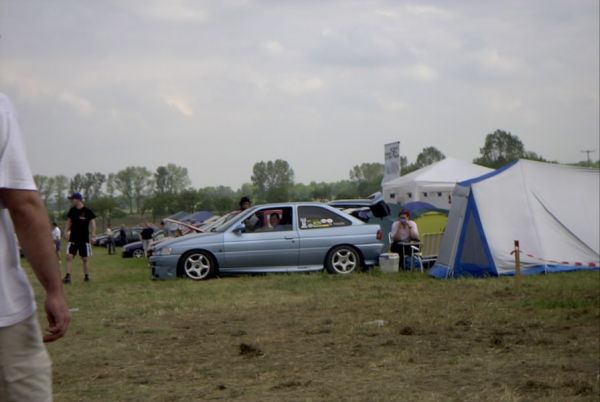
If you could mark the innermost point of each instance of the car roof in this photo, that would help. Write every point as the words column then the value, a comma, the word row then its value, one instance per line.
column 290, row 204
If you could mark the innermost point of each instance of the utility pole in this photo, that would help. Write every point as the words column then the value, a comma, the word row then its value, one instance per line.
column 588, row 152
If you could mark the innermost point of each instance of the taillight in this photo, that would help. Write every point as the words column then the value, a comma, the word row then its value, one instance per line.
column 379, row 235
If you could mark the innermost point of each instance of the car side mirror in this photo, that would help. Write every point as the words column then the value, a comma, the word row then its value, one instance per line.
column 239, row 228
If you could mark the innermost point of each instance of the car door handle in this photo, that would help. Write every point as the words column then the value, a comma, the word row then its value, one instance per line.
column 289, row 237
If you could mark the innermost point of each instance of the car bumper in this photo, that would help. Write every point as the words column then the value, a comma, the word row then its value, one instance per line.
column 164, row 267
column 371, row 253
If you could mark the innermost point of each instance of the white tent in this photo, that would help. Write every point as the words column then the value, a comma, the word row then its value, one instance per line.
column 552, row 210
column 432, row 184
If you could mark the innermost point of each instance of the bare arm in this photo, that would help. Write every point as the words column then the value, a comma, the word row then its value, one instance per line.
column 93, row 239
column 67, row 229
column 32, row 226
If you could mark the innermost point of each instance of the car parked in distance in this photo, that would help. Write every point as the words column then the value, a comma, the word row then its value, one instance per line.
column 132, row 235
column 136, row 249
column 286, row 237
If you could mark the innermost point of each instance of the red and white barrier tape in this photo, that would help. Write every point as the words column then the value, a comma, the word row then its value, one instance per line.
column 591, row 264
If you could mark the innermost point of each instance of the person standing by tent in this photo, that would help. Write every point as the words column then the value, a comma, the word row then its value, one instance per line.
column 404, row 231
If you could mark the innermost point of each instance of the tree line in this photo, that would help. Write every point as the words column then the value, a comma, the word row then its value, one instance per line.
column 136, row 189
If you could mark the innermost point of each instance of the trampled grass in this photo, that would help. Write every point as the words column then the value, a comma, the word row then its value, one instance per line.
column 317, row 337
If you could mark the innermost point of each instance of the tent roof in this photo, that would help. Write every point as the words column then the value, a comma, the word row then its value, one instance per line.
column 448, row 172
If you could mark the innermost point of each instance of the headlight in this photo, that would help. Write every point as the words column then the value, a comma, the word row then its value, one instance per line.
column 164, row 251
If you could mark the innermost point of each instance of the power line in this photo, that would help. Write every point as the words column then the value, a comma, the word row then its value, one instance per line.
column 588, row 152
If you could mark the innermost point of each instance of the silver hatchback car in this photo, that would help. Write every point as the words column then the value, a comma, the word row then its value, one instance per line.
column 286, row 237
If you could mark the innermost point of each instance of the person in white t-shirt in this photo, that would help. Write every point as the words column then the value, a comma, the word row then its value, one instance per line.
column 404, row 231
column 25, row 368
column 56, row 236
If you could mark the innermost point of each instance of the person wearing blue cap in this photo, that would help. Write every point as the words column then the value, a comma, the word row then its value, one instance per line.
column 79, row 220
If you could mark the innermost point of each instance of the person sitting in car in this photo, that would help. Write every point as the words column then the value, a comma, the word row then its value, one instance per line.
column 275, row 222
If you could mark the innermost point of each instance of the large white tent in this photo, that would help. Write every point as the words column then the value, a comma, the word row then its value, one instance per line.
column 433, row 184
column 551, row 209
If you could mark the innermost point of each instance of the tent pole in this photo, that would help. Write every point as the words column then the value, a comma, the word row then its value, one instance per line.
column 517, row 253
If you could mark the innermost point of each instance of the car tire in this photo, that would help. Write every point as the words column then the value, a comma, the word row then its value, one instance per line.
column 138, row 253
column 197, row 265
column 343, row 260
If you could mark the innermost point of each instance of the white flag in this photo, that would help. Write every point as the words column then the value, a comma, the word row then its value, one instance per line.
column 392, row 162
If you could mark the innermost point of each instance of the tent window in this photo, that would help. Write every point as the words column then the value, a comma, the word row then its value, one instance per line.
column 439, row 194
column 449, row 199
column 392, row 195
column 409, row 195
column 424, row 194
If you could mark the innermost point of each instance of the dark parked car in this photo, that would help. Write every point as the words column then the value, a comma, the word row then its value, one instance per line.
column 132, row 235
column 135, row 249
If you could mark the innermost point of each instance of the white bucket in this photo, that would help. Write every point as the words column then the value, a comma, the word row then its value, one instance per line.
column 389, row 262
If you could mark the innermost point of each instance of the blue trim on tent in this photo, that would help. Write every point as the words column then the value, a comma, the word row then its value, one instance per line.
column 486, row 176
column 466, row 269
column 439, row 271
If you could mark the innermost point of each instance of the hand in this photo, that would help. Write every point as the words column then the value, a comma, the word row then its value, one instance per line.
column 58, row 317
column 93, row 240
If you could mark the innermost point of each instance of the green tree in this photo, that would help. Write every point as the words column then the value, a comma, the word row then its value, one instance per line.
column 61, row 185
column 429, row 156
column 94, row 183
column 45, row 186
column 133, row 183
column 104, row 207
column 274, row 180
column 171, row 179
column 500, row 148
column 368, row 177
column 345, row 189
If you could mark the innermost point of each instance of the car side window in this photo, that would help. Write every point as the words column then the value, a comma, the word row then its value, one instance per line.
column 269, row 220
column 313, row 217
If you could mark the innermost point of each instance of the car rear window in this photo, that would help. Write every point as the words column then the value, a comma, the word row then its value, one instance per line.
column 313, row 217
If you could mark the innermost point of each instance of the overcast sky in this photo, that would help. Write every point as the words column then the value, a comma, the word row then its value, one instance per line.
column 216, row 86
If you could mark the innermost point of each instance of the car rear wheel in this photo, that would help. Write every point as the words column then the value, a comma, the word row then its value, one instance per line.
column 343, row 260
column 197, row 265
column 138, row 253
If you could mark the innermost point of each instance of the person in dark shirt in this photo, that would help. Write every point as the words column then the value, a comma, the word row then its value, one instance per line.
column 79, row 220
column 146, row 237
column 123, row 236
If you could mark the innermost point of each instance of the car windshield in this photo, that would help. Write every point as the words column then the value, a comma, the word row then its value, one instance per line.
column 230, row 221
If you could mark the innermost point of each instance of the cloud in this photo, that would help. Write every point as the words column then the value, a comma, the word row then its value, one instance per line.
column 358, row 46
column 492, row 60
column 172, row 10
column 423, row 73
column 392, row 105
column 272, row 47
column 179, row 104
column 80, row 104
column 301, row 86
column 410, row 11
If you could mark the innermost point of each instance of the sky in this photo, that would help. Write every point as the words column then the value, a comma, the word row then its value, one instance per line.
column 216, row 86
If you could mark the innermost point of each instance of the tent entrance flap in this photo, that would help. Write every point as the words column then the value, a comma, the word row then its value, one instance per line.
column 473, row 256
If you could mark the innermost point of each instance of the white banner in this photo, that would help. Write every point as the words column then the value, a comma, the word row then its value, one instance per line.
column 392, row 162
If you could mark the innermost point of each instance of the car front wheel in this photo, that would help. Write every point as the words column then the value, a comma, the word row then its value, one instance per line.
column 138, row 253
column 343, row 260
column 197, row 265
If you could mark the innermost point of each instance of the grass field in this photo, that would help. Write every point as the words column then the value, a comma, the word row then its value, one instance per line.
column 317, row 337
